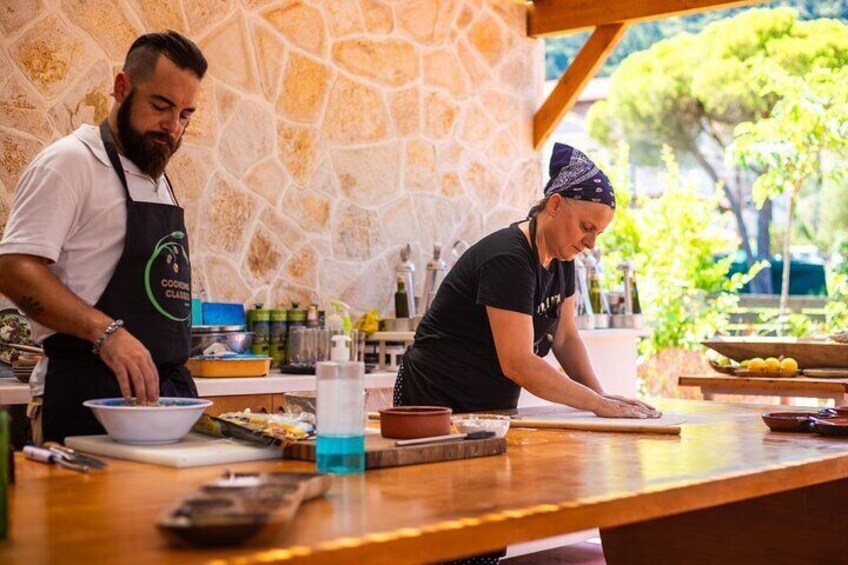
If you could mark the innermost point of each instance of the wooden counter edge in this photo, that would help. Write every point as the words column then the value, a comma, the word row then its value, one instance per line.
column 453, row 539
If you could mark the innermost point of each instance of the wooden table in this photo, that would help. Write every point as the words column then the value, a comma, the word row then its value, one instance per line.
column 726, row 489
column 831, row 389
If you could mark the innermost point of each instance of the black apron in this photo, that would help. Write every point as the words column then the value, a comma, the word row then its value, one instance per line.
column 546, row 316
column 150, row 291
column 545, row 320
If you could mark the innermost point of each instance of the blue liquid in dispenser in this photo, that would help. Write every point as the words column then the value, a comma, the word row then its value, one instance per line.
column 340, row 454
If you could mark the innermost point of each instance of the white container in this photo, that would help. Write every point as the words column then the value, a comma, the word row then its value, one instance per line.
column 471, row 424
column 168, row 422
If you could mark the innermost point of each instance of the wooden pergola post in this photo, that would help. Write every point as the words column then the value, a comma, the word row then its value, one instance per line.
column 610, row 19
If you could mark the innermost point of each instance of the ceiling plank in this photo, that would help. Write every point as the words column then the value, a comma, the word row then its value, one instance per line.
column 579, row 72
column 556, row 17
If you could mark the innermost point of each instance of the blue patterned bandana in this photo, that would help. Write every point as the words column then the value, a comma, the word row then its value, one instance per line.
column 574, row 175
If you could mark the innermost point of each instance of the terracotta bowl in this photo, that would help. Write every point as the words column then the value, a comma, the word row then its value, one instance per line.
column 830, row 426
column 411, row 422
column 789, row 421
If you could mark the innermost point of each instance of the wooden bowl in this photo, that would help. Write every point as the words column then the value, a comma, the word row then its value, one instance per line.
column 767, row 374
column 411, row 422
column 726, row 369
column 789, row 421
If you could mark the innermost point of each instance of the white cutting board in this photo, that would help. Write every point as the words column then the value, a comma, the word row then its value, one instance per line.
column 584, row 417
column 194, row 450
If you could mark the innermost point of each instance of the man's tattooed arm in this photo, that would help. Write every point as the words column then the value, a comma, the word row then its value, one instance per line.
column 30, row 306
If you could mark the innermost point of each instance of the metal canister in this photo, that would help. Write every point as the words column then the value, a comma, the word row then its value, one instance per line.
column 296, row 317
column 278, row 331
column 259, row 321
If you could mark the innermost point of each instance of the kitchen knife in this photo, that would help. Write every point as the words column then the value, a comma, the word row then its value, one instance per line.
column 73, row 456
column 482, row 434
column 47, row 456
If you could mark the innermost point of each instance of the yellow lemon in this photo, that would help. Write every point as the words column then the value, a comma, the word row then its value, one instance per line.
column 772, row 365
column 789, row 365
column 757, row 365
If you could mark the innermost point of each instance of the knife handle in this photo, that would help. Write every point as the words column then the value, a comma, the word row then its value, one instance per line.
column 483, row 434
column 38, row 454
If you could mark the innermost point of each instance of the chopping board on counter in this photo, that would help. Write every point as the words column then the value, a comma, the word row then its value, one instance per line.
column 381, row 452
column 562, row 417
column 194, row 450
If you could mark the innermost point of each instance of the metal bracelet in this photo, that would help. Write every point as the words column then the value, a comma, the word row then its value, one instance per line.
column 113, row 327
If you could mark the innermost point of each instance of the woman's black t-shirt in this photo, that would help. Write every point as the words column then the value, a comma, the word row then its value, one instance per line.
column 453, row 361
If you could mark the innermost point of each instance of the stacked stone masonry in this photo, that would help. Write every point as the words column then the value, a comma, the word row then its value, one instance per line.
column 329, row 133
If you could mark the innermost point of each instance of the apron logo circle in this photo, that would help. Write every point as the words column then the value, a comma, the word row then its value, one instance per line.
column 169, row 267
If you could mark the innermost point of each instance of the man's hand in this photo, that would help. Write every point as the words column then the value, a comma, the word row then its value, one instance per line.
column 618, row 407
column 133, row 366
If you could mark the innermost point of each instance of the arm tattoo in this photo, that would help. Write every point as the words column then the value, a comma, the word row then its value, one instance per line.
column 30, row 306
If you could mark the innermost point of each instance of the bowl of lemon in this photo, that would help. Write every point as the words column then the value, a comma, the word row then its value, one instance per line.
column 770, row 367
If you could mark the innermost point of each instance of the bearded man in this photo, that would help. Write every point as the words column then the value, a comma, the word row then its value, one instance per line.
column 95, row 249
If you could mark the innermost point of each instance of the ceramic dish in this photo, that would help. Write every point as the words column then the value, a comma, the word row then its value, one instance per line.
column 167, row 422
column 830, row 426
column 841, row 411
column 14, row 328
column 473, row 423
column 789, row 421
column 412, row 422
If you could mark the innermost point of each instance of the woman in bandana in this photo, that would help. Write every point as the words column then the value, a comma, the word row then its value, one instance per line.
column 509, row 300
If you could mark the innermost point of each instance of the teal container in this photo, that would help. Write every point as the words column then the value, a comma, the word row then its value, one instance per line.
column 340, row 454
column 196, row 312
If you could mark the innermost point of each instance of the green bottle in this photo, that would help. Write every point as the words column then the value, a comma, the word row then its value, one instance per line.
column 637, row 307
column 401, row 301
column 595, row 293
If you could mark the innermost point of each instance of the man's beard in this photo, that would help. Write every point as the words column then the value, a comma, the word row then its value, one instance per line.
column 142, row 149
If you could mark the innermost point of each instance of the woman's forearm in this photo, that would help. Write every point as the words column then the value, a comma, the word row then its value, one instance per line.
column 540, row 378
column 571, row 354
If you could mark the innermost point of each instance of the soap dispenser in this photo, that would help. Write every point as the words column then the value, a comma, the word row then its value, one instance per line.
column 340, row 411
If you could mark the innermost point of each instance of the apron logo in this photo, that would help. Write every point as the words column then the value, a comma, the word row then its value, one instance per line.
column 172, row 267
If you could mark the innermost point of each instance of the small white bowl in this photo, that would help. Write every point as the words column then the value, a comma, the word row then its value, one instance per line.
column 168, row 422
column 469, row 424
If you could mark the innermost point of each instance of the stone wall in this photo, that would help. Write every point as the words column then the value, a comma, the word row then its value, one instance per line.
column 328, row 132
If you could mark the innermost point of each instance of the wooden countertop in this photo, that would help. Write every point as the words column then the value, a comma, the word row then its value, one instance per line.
column 549, row 483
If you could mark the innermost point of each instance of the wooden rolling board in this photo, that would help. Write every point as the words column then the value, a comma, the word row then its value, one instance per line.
column 562, row 417
column 381, row 452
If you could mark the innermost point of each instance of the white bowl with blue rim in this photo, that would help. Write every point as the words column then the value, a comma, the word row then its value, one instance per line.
column 166, row 422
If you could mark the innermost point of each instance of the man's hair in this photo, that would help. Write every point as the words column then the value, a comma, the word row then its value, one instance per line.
column 144, row 53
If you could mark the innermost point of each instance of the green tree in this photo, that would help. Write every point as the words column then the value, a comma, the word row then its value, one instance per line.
column 561, row 50
column 802, row 140
column 690, row 91
column 672, row 241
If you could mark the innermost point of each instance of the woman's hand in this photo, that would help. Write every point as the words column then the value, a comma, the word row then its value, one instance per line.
column 613, row 406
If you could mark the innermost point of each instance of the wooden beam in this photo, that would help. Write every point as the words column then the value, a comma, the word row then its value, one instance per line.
column 579, row 72
column 556, row 17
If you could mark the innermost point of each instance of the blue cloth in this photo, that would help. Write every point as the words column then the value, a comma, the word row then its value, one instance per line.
column 574, row 175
